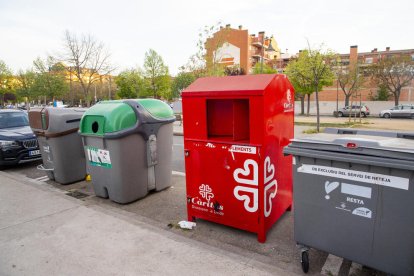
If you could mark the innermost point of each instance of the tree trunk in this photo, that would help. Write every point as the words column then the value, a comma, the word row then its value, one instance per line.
column 307, row 112
column 347, row 97
column 397, row 96
column 302, row 105
column 317, row 108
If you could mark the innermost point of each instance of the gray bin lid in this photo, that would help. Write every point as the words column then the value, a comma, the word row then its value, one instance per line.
column 370, row 149
column 55, row 122
column 64, row 119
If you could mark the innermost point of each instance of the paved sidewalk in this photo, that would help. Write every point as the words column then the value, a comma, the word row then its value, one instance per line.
column 44, row 232
column 178, row 128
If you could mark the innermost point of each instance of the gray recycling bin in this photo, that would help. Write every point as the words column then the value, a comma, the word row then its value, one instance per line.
column 353, row 197
column 128, row 145
column 59, row 142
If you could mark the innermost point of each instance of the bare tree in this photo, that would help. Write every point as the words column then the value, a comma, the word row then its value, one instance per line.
column 394, row 73
column 87, row 60
column 350, row 80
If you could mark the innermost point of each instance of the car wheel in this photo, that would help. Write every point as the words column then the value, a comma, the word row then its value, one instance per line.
column 340, row 114
column 363, row 114
column 387, row 115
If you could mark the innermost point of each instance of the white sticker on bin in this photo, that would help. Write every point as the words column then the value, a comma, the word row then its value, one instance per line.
column 243, row 149
column 356, row 190
column 98, row 157
column 366, row 177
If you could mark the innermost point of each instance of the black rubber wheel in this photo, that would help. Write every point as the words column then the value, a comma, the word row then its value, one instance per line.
column 305, row 261
column 387, row 116
column 340, row 114
column 363, row 114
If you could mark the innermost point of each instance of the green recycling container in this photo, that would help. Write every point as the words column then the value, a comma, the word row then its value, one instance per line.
column 128, row 147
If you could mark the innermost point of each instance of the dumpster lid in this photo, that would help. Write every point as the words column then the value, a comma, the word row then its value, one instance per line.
column 233, row 85
column 362, row 145
column 119, row 115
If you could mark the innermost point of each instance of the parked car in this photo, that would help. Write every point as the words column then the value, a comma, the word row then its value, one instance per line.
column 356, row 110
column 399, row 111
column 18, row 144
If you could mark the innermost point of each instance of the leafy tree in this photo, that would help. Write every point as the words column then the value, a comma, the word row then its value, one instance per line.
column 266, row 69
column 313, row 67
column 302, row 86
column 6, row 81
column 26, row 80
column 181, row 82
column 87, row 60
column 131, row 84
column 394, row 72
column 349, row 80
column 50, row 78
column 156, row 73
column 164, row 87
column 382, row 94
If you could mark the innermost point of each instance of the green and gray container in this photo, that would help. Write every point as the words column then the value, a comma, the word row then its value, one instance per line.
column 128, row 147
column 354, row 197
column 59, row 142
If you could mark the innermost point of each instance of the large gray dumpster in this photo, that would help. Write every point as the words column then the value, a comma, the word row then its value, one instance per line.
column 59, row 142
column 354, row 197
column 128, row 145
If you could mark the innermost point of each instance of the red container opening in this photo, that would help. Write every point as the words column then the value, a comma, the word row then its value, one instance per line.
column 228, row 120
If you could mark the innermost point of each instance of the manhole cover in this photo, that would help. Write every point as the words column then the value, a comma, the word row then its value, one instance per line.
column 77, row 194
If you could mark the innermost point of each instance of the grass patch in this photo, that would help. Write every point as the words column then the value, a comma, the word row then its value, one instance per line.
column 345, row 124
column 311, row 131
column 321, row 124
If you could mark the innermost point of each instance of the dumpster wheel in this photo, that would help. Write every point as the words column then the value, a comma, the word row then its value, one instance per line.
column 305, row 261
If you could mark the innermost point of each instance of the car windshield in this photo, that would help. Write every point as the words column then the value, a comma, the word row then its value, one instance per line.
column 13, row 119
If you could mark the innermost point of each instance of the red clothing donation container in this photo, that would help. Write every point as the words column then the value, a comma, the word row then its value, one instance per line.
column 235, row 129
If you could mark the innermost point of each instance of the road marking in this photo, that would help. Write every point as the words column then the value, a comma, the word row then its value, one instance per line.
column 356, row 269
column 332, row 265
column 42, row 178
column 178, row 173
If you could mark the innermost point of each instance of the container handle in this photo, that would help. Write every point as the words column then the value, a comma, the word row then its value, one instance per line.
column 42, row 168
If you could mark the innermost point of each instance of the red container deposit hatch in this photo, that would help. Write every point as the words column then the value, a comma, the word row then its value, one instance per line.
column 234, row 131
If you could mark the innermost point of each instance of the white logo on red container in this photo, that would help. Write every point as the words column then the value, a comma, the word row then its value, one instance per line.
column 206, row 192
column 249, row 175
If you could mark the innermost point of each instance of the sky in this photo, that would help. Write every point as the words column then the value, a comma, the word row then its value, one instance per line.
column 129, row 28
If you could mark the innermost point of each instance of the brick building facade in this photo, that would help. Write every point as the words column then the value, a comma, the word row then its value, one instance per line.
column 236, row 47
column 368, row 89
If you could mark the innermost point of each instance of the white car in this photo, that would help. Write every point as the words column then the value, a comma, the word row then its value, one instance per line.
column 399, row 111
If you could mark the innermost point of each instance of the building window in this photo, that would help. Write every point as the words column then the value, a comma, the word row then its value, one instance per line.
column 368, row 60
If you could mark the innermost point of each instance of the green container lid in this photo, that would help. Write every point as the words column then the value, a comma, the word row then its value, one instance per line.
column 114, row 116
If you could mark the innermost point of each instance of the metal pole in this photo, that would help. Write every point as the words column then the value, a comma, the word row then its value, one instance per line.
column 109, row 88
column 337, row 97
column 262, row 55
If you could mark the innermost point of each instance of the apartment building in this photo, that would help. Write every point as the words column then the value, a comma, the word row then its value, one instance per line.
column 236, row 47
column 369, row 88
